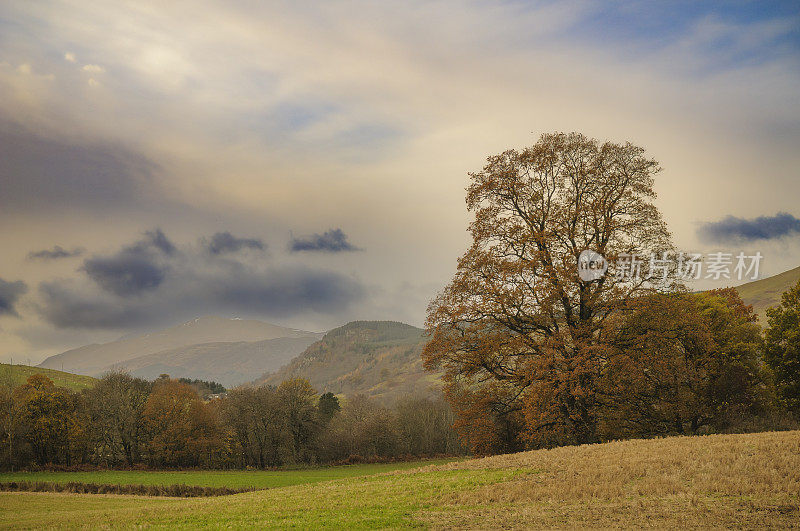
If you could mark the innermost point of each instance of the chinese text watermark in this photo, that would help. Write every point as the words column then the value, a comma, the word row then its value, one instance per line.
column 683, row 266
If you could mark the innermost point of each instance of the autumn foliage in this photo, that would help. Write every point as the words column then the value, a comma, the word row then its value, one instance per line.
column 783, row 348
column 535, row 356
column 129, row 422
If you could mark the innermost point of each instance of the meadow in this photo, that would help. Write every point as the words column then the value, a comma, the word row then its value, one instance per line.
column 260, row 479
column 14, row 375
column 741, row 481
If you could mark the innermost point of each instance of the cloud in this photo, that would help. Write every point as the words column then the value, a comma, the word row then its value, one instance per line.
column 64, row 306
column 125, row 274
column 283, row 291
column 152, row 282
column 274, row 293
column 225, row 242
column 732, row 229
column 157, row 239
column 10, row 292
column 133, row 270
column 94, row 69
column 214, row 118
column 70, row 57
column 41, row 174
column 332, row 241
column 56, row 253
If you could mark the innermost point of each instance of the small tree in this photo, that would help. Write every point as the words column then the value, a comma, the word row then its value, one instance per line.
column 425, row 426
column 327, row 406
column 298, row 402
column 115, row 406
column 182, row 430
column 51, row 417
column 783, row 347
column 258, row 422
column 363, row 428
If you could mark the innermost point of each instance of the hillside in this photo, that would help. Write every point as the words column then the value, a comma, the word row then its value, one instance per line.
column 18, row 374
column 716, row 481
column 377, row 358
column 185, row 350
column 229, row 363
column 767, row 292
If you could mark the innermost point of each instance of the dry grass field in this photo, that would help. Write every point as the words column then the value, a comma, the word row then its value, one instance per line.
column 714, row 481
column 731, row 481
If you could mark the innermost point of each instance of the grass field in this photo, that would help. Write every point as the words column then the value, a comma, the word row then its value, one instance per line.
column 18, row 374
column 767, row 292
column 218, row 478
column 742, row 481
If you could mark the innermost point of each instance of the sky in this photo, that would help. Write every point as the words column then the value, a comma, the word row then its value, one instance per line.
column 304, row 163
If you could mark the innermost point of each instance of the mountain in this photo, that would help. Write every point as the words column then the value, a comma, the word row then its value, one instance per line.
column 230, row 363
column 18, row 374
column 767, row 292
column 215, row 348
column 377, row 358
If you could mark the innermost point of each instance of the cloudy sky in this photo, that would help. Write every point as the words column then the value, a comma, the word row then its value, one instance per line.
column 305, row 163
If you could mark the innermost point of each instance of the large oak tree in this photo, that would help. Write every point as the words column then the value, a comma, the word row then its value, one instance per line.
column 522, row 339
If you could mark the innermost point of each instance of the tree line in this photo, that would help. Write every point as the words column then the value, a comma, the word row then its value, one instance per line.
column 125, row 421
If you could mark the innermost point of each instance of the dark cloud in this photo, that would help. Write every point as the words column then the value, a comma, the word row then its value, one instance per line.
column 172, row 284
column 55, row 253
column 10, row 292
column 225, row 242
column 284, row 292
column 157, row 240
column 43, row 174
column 74, row 308
column 274, row 293
column 332, row 241
column 135, row 269
column 126, row 273
column 732, row 229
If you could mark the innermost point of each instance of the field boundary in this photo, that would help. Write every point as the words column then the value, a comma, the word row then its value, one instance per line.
column 75, row 487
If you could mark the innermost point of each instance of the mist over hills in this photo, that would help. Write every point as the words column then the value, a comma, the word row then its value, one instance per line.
column 230, row 351
column 229, row 363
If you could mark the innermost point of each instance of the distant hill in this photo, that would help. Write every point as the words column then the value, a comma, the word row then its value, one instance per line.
column 377, row 358
column 18, row 374
column 767, row 292
column 230, row 363
column 229, row 351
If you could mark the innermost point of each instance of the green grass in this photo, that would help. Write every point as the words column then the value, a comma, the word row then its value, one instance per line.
column 18, row 374
column 385, row 501
column 218, row 478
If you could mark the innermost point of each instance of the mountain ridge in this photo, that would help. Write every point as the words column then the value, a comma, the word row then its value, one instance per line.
column 97, row 358
column 381, row 359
